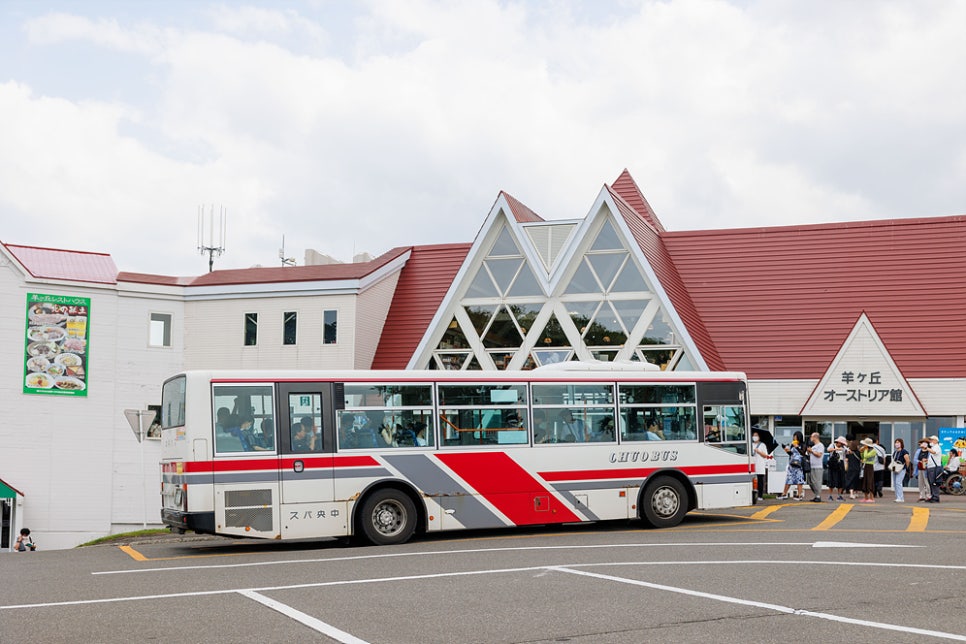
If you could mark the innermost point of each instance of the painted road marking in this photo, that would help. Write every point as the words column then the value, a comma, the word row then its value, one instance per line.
column 315, row 624
column 134, row 554
column 920, row 517
column 837, row 515
column 774, row 607
column 299, row 562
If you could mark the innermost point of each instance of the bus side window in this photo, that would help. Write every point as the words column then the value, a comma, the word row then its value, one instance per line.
column 305, row 421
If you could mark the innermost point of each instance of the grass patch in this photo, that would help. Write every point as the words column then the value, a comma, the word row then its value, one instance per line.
column 125, row 536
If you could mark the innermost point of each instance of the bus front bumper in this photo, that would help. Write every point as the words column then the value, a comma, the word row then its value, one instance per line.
column 201, row 522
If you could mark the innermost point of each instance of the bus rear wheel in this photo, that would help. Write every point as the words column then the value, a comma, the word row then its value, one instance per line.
column 388, row 517
column 664, row 502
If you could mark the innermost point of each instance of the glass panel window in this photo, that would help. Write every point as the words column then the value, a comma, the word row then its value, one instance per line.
column 330, row 321
column 289, row 327
column 382, row 415
column 487, row 414
column 657, row 412
column 240, row 413
column 305, row 422
column 159, row 333
column 172, row 403
column 724, row 426
column 251, row 329
column 573, row 413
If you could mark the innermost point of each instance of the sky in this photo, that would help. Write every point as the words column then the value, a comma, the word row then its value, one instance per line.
column 352, row 127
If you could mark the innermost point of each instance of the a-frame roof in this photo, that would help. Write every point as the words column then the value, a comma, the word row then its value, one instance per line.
column 60, row 264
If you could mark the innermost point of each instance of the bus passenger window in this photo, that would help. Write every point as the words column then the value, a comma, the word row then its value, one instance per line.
column 305, row 418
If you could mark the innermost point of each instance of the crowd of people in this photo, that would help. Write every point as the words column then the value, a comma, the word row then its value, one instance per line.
column 856, row 468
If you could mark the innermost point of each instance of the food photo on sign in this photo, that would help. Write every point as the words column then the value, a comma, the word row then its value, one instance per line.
column 56, row 345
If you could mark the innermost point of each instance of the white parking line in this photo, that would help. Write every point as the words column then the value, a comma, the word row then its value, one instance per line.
column 315, row 624
column 775, row 607
column 390, row 555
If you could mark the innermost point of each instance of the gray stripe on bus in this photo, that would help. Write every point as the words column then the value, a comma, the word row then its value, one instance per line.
column 433, row 481
column 580, row 508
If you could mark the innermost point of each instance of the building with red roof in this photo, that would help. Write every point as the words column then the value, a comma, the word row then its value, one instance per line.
column 849, row 328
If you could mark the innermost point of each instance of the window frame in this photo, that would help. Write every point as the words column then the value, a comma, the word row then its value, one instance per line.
column 290, row 319
column 250, row 329
column 335, row 327
column 167, row 322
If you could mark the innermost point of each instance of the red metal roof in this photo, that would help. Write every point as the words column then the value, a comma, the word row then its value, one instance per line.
column 652, row 245
column 520, row 212
column 59, row 264
column 423, row 283
column 274, row 274
column 627, row 188
column 779, row 302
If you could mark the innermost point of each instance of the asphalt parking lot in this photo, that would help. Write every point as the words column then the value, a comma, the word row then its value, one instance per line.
column 778, row 570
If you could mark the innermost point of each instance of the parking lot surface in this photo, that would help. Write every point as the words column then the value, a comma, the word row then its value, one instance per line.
column 822, row 572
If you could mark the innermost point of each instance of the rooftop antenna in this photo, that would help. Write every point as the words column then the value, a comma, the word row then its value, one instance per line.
column 207, row 246
column 286, row 261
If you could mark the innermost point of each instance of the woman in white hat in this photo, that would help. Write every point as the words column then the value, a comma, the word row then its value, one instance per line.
column 836, row 467
column 867, row 454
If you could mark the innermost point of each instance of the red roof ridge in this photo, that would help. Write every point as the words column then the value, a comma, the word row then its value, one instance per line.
column 831, row 225
column 627, row 188
column 520, row 211
column 628, row 211
column 58, row 250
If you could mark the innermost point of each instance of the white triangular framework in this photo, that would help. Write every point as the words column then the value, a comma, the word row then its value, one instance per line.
column 599, row 280
column 863, row 380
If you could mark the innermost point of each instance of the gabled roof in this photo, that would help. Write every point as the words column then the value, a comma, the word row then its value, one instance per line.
column 59, row 264
column 627, row 188
column 652, row 245
column 778, row 302
column 423, row 283
column 520, row 212
column 274, row 274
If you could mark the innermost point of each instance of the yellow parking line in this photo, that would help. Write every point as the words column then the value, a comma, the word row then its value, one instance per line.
column 920, row 517
column 837, row 515
column 134, row 554
column 761, row 514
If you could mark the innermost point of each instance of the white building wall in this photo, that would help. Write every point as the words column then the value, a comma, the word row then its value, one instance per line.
column 135, row 498
column 372, row 308
column 770, row 397
column 215, row 333
column 940, row 396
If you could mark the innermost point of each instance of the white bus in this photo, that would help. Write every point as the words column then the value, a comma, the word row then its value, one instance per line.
column 384, row 454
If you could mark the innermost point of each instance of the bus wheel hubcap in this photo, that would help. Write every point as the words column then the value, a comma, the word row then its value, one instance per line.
column 387, row 518
column 665, row 502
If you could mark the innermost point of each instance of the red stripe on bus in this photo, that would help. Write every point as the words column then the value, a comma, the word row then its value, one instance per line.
column 260, row 465
column 509, row 487
column 640, row 472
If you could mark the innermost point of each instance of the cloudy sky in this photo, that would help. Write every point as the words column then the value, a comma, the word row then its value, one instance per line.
column 350, row 127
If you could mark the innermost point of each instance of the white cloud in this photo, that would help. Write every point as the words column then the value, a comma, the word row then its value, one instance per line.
column 726, row 114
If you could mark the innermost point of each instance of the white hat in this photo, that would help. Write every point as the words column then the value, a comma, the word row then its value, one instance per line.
column 868, row 442
column 841, row 439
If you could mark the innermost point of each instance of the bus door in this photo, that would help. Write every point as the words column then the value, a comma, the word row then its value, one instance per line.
column 306, row 438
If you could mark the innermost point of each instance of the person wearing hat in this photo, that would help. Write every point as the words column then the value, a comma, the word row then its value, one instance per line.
column 867, row 454
column 836, row 467
column 934, row 468
column 920, row 461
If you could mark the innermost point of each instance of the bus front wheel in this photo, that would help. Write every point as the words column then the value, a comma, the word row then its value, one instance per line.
column 664, row 502
column 388, row 517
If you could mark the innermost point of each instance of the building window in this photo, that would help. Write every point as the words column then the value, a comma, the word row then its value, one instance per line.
column 159, row 331
column 330, row 321
column 251, row 329
column 289, row 327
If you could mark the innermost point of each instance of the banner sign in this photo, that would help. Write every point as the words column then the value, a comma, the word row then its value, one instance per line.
column 56, row 345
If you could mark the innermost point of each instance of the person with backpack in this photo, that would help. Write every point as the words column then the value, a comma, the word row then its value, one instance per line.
column 879, row 467
column 836, row 468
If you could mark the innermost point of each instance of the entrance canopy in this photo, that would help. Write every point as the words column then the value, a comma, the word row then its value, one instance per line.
column 8, row 491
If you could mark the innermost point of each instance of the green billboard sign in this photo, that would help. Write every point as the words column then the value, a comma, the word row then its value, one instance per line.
column 56, row 345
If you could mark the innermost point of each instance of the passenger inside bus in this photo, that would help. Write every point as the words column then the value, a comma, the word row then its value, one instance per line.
column 304, row 439
column 570, row 429
column 265, row 442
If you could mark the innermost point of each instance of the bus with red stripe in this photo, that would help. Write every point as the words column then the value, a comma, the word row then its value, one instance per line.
column 385, row 454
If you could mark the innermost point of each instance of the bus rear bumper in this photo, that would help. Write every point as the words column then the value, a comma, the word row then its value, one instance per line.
column 201, row 522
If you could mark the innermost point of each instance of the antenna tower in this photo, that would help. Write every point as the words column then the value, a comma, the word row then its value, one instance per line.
column 286, row 261
column 206, row 245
